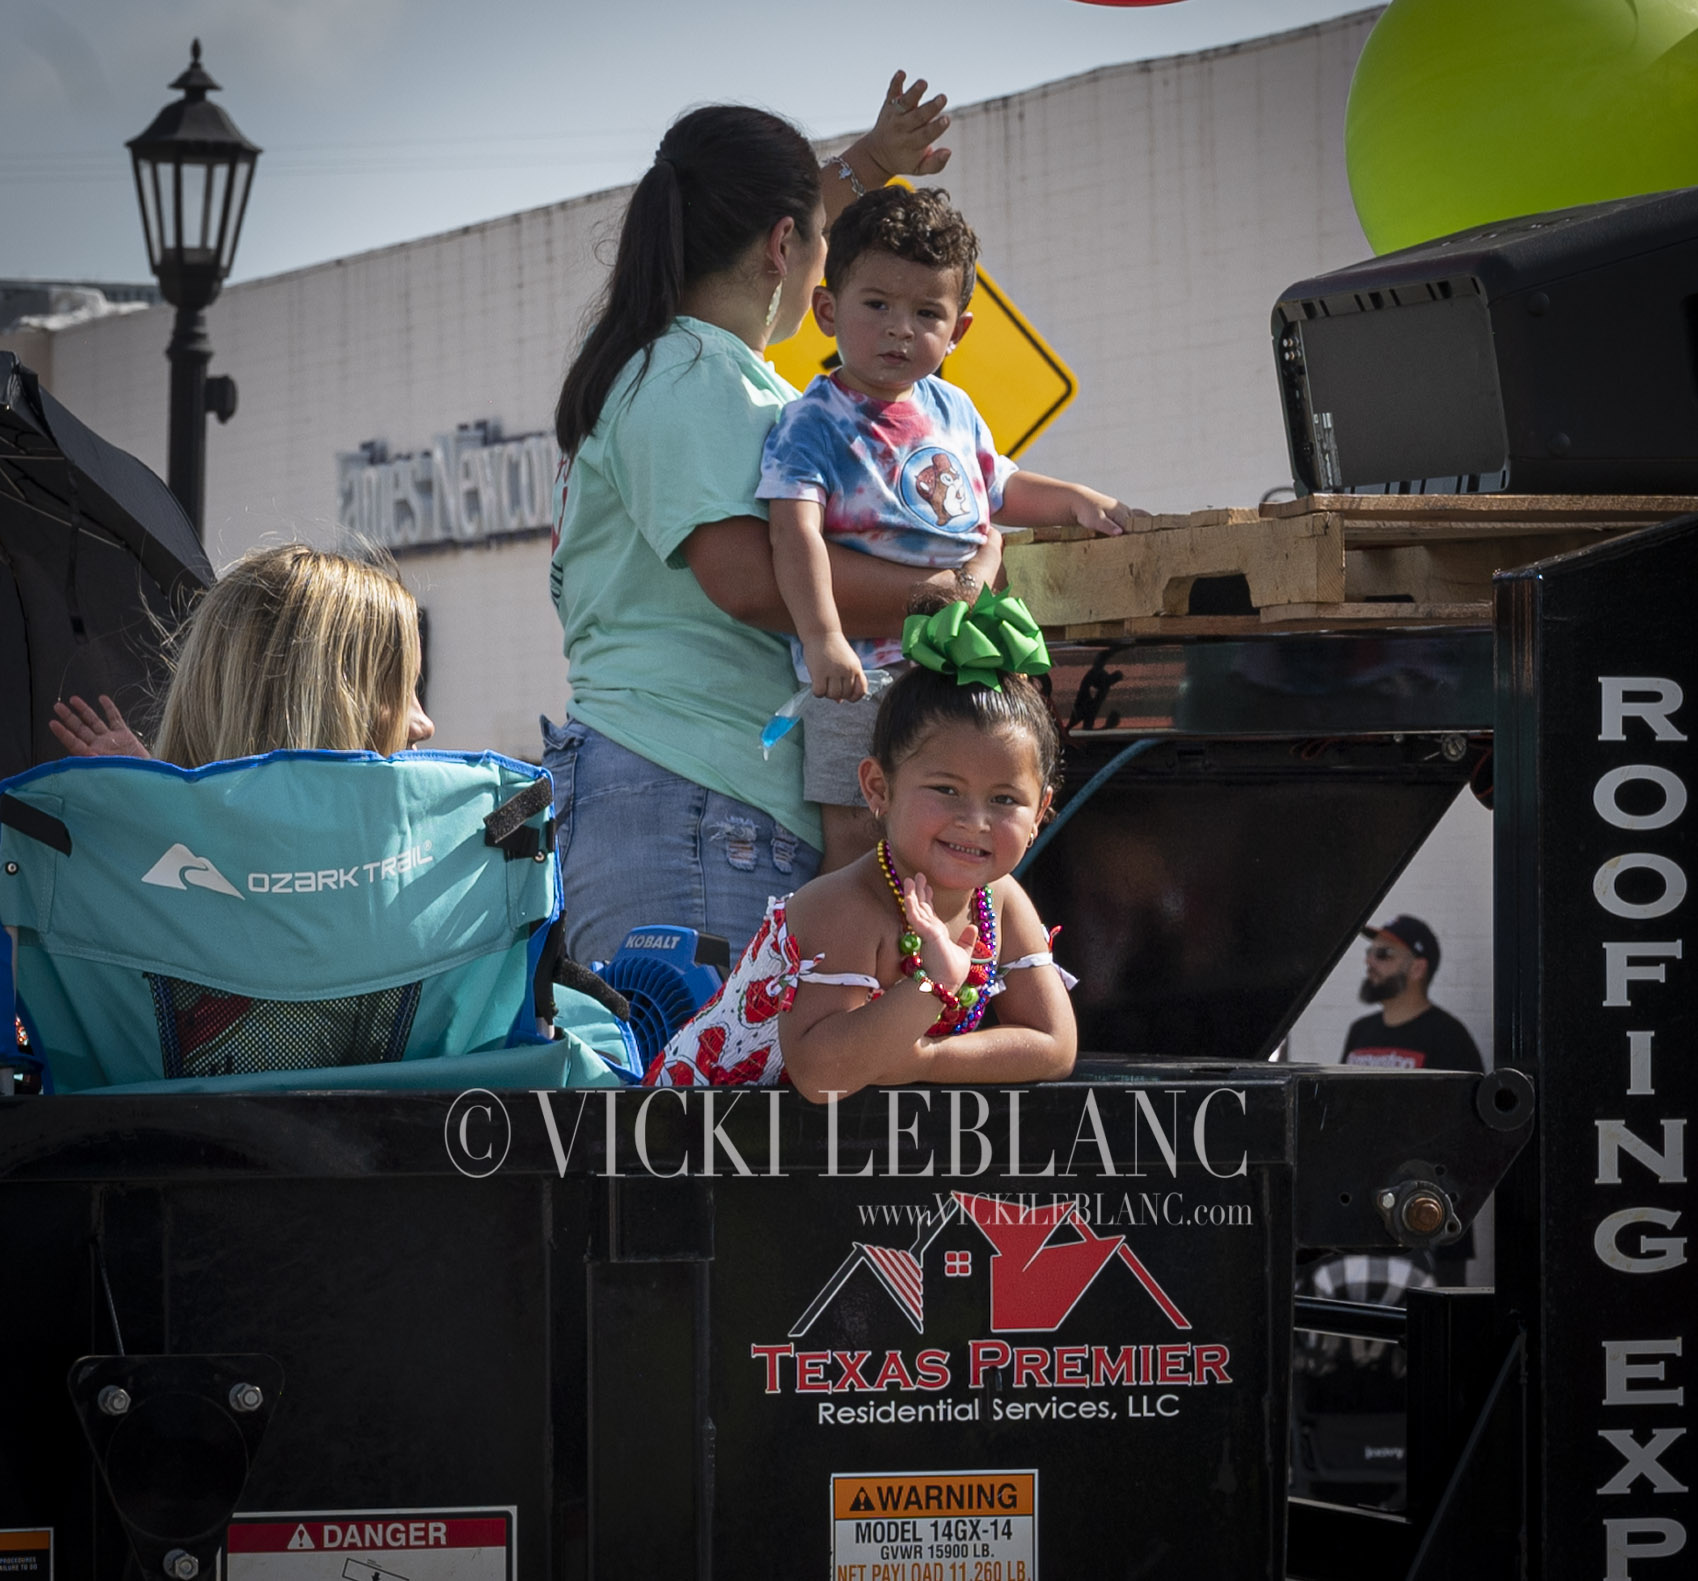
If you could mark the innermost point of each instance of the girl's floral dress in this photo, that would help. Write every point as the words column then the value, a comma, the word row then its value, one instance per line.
column 733, row 1040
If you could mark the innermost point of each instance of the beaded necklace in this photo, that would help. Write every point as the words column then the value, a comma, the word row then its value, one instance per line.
column 964, row 1009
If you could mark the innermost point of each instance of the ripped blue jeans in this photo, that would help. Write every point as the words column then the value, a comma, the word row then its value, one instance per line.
column 639, row 844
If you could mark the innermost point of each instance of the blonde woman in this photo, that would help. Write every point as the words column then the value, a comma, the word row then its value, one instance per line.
column 293, row 647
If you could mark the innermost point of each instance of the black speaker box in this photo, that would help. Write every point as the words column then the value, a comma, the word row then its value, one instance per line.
column 1553, row 354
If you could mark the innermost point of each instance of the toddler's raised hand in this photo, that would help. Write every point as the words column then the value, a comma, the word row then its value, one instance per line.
column 1126, row 517
column 1110, row 519
column 835, row 668
column 947, row 961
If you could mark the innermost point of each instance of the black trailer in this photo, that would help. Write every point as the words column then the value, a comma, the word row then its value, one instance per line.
column 956, row 1334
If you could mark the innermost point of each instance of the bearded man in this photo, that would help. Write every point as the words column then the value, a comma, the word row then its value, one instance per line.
column 1408, row 1031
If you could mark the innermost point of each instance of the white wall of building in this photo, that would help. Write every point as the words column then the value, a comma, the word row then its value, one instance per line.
column 396, row 345
column 1143, row 217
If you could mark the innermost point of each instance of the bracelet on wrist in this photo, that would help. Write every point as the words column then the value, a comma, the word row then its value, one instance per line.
column 951, row 1004
column 956, row 1002
column 846, row 172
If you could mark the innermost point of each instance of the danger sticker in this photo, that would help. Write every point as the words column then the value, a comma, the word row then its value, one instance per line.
column 935, row 1526
column 26, row 1551
column 373, row 1545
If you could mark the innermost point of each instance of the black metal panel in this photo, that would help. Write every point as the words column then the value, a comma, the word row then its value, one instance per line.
column 1479, row 1528
column 1596, row 996
column 577, row 1320
column 319, row 1261
column 1458, row 1343
column 644, row 1426
column 174, row 1438
column 1106, row 1504
column 410, row 1316
column 1306, row 684
column 1332, row 1543
column 54, row 1314
column 988, row 1288
column 1448, row 1132
column 1206, row 888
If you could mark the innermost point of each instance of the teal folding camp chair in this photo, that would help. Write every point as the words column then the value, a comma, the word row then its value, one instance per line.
column 299, row 920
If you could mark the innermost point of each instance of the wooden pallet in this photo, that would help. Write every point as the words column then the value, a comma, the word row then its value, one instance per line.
column 1325, row 561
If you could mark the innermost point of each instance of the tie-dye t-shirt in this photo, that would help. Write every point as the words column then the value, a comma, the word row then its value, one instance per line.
column 913, row 481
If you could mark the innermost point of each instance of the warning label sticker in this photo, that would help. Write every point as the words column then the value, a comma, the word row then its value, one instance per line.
column 935, row 1526
column 26, row 1551
column 373, row 1545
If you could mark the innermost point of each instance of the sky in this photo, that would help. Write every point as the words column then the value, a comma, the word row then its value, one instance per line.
column 386, row 120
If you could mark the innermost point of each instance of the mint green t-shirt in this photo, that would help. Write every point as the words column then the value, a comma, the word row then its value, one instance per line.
column 657, row 666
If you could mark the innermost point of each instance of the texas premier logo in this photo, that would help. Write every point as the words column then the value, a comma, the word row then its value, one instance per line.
column 1043, row 1258
column 1037, row 1277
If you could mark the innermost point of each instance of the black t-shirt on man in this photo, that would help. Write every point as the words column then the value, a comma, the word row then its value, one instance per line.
column 1434, row 1040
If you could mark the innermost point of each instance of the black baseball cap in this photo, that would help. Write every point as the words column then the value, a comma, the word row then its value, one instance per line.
column 1414, row 935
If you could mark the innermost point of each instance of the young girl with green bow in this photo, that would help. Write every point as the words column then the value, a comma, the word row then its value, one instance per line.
column 924, row 960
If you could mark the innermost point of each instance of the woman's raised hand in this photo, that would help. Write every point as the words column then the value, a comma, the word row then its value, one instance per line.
column 84, row 734
column 947, row 961
column 901, row 141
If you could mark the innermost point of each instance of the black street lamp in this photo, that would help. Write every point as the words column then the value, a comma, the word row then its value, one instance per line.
column 193, row 170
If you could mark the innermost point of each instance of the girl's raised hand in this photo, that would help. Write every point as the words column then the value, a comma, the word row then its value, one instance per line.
column 84, row 734
column 901, row 141
column 947, row 961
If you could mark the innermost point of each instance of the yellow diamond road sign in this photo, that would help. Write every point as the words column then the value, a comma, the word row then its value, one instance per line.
column 1013, row 376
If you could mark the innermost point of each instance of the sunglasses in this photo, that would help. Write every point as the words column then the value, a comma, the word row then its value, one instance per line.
column 1382, row 952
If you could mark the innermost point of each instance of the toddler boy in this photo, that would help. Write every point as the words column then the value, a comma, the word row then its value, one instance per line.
column 883, row 456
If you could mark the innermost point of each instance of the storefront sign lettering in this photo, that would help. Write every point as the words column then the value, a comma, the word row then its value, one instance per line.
column 469, row 486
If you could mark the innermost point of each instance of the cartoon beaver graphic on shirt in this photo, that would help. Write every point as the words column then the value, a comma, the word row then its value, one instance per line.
column 940, row 484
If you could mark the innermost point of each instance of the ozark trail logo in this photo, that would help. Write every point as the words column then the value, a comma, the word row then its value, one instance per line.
column 180, row 868
column 1043, row 1259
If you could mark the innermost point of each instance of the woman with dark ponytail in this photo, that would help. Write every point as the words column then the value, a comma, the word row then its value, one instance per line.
column 662, row 572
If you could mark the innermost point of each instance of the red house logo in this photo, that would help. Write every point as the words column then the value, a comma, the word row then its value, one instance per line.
column 1042, row 1261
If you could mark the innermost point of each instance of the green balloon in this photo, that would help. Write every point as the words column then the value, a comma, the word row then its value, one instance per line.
column 1466, row 111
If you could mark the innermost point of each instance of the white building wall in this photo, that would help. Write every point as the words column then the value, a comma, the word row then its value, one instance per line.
column 398, row 345
column 1144, row 217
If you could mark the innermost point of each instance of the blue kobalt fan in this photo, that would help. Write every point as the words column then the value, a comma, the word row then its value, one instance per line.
column 667, row 973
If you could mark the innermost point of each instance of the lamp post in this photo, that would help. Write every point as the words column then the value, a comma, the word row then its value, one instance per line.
column 193, row 171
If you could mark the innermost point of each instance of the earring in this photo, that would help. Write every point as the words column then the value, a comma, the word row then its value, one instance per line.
column 772, row 306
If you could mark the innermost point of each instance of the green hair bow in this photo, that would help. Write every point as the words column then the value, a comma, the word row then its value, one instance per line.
column 977, row 642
